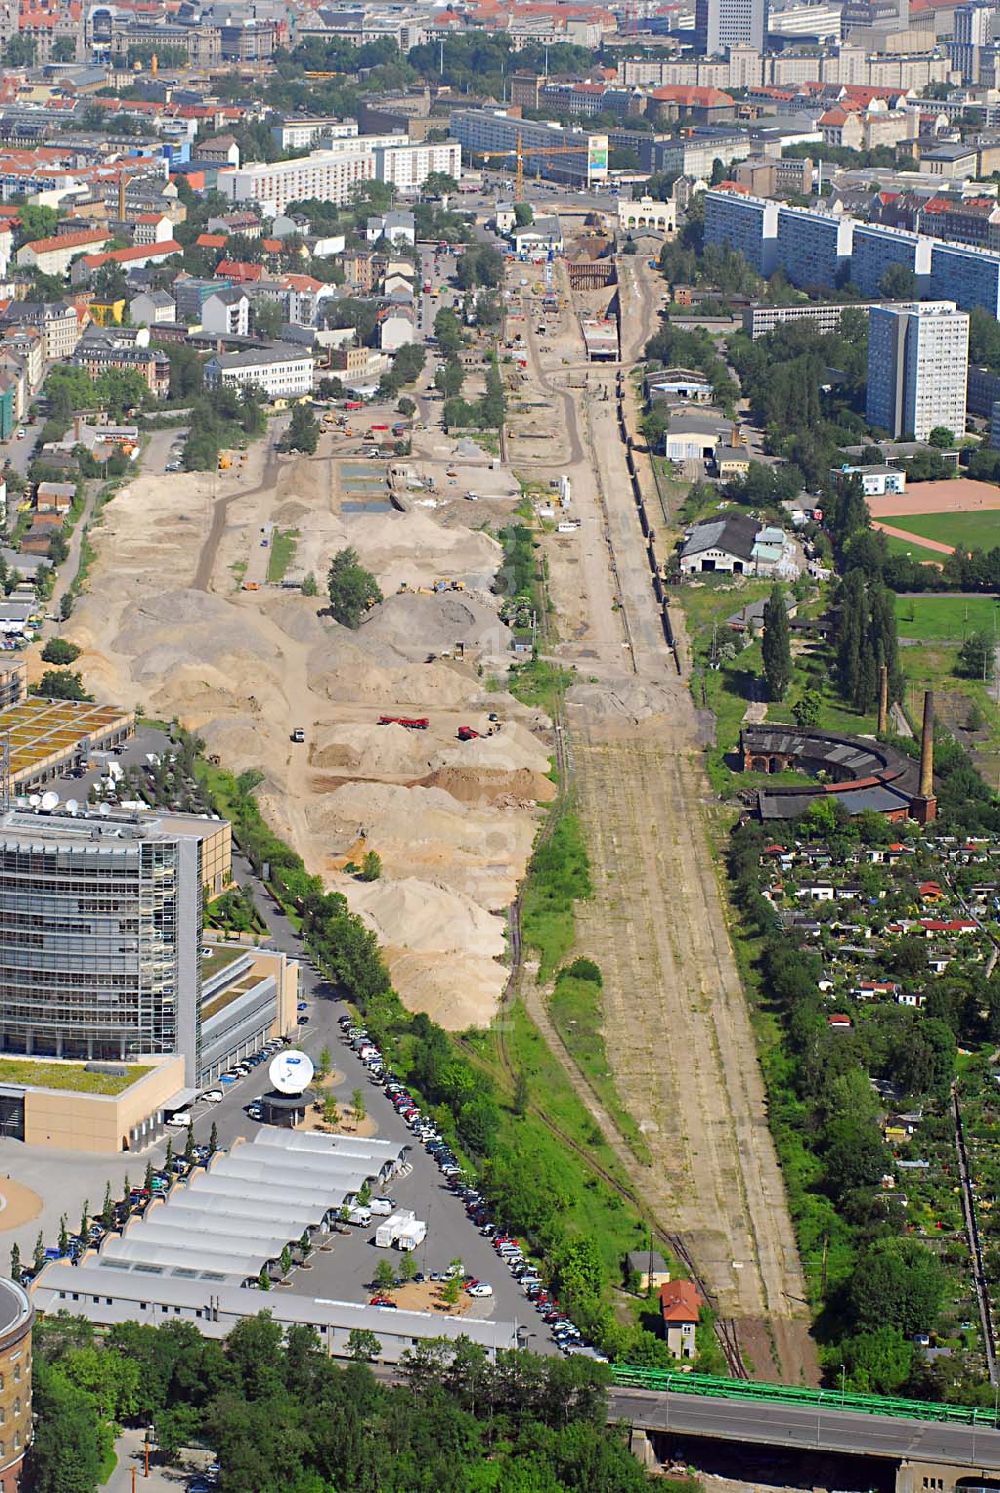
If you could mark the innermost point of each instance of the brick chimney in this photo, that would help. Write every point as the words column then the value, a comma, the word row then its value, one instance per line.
column 924, row 806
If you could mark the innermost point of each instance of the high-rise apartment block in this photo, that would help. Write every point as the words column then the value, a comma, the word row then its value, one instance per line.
column 719, row 24
column 972, row 32
column 877, row 248
column 748, row 225
column 814, row 247
column 918, row 361
column 969, row 277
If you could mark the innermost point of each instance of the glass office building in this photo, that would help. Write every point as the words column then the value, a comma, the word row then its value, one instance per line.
column 100, row 931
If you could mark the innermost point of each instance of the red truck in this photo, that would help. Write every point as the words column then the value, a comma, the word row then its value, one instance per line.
column 466, row 733
column 411, row 722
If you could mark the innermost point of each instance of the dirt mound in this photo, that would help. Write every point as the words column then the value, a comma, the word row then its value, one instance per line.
column 510, row 749
column 625, row 700
column 490, row 785
column 414, row 625
column 370, row 751
column 437, row 920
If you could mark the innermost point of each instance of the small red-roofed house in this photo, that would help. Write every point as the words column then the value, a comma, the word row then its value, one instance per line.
column 680, row 1307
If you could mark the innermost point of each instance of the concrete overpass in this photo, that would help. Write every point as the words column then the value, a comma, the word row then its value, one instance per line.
column 930, row 1456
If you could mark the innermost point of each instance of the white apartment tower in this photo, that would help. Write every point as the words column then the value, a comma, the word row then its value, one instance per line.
column 971, row 34
column 719, row 24
column 918, row 363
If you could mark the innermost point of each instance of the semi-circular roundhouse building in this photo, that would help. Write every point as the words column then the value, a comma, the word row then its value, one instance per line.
column 860, row 773
column 17, row 1317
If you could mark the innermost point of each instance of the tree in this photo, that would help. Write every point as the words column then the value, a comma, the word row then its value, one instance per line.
column 941, row 437
column 776, row 645
column 213, row 1139
column 305, row 1244
column 898, row 283
column 976, row 656
column 449, row 378
column 896, row 1283
column 352, row 589
column 15, row 1262
column 303, row 432
column 189, row 1142
column 60, row 684
column 263, row 1279
column 70, row 1443
column 325, row 1063
column 38, row 1258
column 522, row 1093
column 268, row 318
column 371, row 866
column 877, row 1362
column 364, row 1194
column 358, row 1107
column 63, row 1236
column 807, row 708
column 855, row 1156
column 85, row 1219
column 451, row 1289
column 438, row 184
column 385, row 1276
column 309, row 586
column 60, row 651
column 362, row 1345
column 285, row 1261
column 408, row 1266
column 406, row 406
column 168, row 1159
column 108, row 1206
column 524, row 214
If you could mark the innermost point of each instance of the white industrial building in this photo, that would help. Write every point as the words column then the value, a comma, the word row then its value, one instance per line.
column 918, row 363
column 201, row 1253
column 281, row 372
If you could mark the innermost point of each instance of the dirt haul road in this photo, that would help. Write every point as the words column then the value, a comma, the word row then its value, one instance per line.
column 677, row 1027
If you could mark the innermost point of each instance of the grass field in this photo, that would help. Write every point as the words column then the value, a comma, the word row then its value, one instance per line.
column 945, row 617
column 283, row 542
column 912, row 547
column 971, row 531
column 578, row 1016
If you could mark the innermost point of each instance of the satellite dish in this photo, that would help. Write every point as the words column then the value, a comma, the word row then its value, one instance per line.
column 34, row 799
column 291, row 1072
column 71, row 806
column 49, row 801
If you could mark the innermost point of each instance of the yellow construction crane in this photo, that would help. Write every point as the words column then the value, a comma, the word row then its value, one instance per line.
column 518, row 153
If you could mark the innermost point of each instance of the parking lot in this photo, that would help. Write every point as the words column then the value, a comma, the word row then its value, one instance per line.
column 66, row 1180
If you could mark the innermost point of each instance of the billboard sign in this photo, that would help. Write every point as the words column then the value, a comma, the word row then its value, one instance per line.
column 597, row 158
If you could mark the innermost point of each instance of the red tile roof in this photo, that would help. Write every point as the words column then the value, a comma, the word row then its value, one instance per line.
column 680, row 1301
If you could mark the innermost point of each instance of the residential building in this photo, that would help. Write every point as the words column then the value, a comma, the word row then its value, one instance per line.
column 995, row 426
column 26, row 345
column 972, row 32
column 396, row 227
column 17, row 1318
column 650, row 1266
column 689, row 101
column 485, row 130
column 969, row 277
column 758, row 320
column 152, row 228
column 303, row 132
column 876, row 248
column 396, row 328
column 53, row 256
column 960, row 220
column 959, row 162
column 680, row 1306
column 227, row 312
column 191, row 293
column 768, row 177
column 97, row 355
column 282, row 372
column 150, row 307
column 719, row 24
column 982, row 392
column 57, row 322
column 748, row 225
column 332, row 173
column 814, row 247
column 918, row 360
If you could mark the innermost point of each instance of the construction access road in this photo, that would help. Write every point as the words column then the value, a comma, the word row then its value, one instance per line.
column 677, row 1025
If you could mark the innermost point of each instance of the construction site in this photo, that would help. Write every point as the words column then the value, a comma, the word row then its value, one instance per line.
column 406, row 742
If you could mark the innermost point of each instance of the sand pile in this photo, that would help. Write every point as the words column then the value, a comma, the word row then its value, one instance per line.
column 454, row 822
column 489, row 785
column 624, row 700
column 414, row 625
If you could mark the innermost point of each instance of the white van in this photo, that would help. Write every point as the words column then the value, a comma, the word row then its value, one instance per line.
column 212, row 1096
column 382, row 1206
column 181, row 1120
column 361, row 1216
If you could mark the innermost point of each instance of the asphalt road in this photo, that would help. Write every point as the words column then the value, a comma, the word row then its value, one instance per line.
column 801, row 1426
